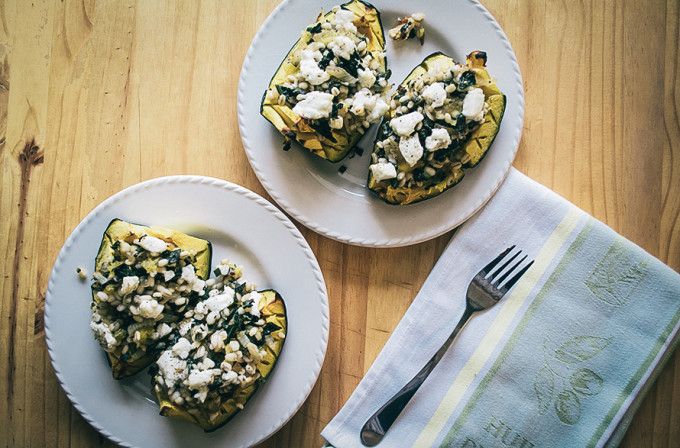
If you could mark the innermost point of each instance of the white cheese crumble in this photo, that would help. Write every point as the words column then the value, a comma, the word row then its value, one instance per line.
column 199, row 378
column 343, row 47
column 181, row 348
column 406, row 124
column 343, row 20
column 150, row 309
column 383, row 171
column 168, row 275
column 435, row 94
column 315, row 105
column 366, row 103
column 439, row 138
column 366, row 78
column 171, row 368
column 153, row 244
column 255, row 307
column 129, row 285
column 189, row 276
column 473, row 104
column 164, row 330
column 411, row 149
column 310, row 69
column 103, row 335
column 218, row 302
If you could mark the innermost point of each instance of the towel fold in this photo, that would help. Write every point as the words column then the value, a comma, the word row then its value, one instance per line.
column 562, row 360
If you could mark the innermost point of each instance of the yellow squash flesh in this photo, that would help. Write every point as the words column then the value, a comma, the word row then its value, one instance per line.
column 294, row 127
column 477, row 145
column 272, row 309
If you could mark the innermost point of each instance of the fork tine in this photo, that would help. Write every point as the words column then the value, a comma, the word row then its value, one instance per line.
column 509, row 271
column 513, row 280
column 502, row 268
column 495, row 261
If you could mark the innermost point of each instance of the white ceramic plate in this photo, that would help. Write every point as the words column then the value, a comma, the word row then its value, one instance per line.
column 242, row 227
column 338, row 205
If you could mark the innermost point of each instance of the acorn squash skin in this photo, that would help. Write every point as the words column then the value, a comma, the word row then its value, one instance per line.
column 273, row 310
column 294, row 127
column 119, row 230
column 477, row 145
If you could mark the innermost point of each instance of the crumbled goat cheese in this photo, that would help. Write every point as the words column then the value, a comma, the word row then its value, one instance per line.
column 373, row 106
column 343, row 47
column 206, row 364
column 473, row 104
column 366, row 78
column 217, row 302
column 172, row 369
column 168, row 275
column 411, row 149
column 189, row 276
column 129, row 284
column 435, row 94
column 150, row 309
column 439, row 138
column 315, row 105
column 406, row 124
column 343, row 21
column 181, row 348
column 153, row 244
column 310, row 69
column 255, row 307
column 199, row 379
column 184, row 327
column 103, row 335
column 230, row 377
column 164, row 330
column 383, row 171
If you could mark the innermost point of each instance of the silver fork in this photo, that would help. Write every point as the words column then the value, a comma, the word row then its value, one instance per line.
column 483, row 292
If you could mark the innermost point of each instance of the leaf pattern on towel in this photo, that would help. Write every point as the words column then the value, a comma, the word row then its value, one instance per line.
column 562, row 382
column 617, row 274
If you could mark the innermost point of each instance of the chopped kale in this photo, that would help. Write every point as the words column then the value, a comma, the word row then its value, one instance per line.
column 351, row 65
column 269, row 327
column 315, row 28
column 335, row 109
column 342, row 169
column 172, row 256
column 322, row 127
column 460, row 124
column 328, row 56
column 115, row 245
column 240, row 287
column 125, row 270
column 289, row 92
column 466, row 80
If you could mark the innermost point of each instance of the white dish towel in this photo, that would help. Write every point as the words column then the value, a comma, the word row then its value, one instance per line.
column 562, row 360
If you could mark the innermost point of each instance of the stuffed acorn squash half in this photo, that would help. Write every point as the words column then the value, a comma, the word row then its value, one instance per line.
column 332, row 84
column 144, row 280
column 222, row 352
column 443, row 118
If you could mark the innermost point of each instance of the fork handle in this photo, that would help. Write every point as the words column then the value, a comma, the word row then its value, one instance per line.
column 375, row 427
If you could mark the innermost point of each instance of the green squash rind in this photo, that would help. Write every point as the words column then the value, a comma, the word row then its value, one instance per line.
column 273, row 310
column 286, row 121
column 477, row 146
column 118, row 230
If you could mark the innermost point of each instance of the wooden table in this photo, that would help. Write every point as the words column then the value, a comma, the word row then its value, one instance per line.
column 98, row 95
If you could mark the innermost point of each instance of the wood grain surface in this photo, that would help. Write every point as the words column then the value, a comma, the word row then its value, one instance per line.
column 98, row 95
